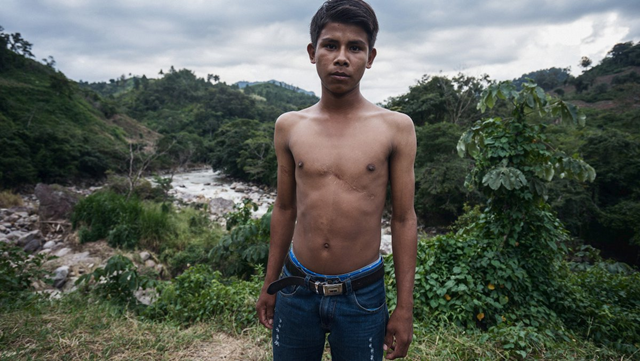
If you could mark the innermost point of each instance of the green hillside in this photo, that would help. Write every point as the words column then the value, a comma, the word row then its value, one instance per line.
column 53, row 131
column 210, row 122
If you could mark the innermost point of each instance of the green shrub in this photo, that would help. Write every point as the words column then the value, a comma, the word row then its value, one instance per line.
column 18, row 271
column 123, row 223
column 196, row 236
column 246, row 246
column 201, row 294
column 118, row 280
column 604, row 305
column 8, row 200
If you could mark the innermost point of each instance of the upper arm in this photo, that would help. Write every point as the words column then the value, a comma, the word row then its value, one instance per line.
column 286, row 183
column 401, row 168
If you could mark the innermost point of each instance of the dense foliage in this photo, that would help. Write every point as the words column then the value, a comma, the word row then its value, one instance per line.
column 51, row 130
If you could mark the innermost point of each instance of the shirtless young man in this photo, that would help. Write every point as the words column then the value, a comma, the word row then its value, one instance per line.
column 335, row 160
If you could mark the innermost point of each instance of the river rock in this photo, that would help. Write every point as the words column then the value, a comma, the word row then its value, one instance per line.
column 14, row 236
column 56, row 202
column 385, row 244
column 26, row 238
column 144, row 255
column 220, row 205
column 60, row 276
column 62, row 252
column 33, row 245
column 49, row 244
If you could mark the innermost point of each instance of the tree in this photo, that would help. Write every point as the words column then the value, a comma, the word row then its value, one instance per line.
column 50, row 62
column 20, row 46
column 139, row 159
column 585, row 62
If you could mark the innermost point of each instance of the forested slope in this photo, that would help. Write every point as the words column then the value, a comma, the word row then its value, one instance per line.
column 606, row 212
column 53, row 131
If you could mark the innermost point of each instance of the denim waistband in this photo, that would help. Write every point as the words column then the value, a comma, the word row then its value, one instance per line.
column 341, row 277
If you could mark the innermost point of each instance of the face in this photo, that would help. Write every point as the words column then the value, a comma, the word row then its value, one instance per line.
column 341, row 57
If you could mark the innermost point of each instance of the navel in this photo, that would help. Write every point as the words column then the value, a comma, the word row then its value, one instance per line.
column 371, row 167
column 300, row 164
column 326, row 245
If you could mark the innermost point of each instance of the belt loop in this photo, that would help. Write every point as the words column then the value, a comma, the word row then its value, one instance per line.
column 347, row 283
column 307, row 284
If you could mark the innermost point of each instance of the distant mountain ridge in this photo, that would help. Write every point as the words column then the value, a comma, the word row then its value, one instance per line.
column 243, row 84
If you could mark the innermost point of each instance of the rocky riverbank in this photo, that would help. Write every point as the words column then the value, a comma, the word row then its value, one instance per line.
column 41, row 226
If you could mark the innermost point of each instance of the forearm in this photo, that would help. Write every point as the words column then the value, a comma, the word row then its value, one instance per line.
column 404, row 246
column 282, row 226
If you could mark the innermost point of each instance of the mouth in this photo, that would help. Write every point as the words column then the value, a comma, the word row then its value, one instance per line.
column 339, row 75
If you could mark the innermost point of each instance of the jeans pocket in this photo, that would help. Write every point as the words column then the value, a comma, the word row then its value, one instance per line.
column 289, row 291
column 371, row 298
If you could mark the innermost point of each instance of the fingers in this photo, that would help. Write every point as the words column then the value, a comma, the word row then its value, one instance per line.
column 265, row 309
column 265, row 315
column 396, row 345
column 399, row 350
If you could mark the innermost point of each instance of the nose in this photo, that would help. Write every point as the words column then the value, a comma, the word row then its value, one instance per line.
column 341, row 58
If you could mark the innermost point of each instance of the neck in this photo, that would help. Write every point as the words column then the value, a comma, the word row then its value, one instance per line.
column 341, row 102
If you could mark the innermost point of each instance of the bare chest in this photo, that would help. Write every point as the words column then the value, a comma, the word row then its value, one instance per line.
column 357, row 153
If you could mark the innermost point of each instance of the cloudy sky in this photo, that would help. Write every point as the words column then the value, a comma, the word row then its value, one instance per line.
column 256, row 40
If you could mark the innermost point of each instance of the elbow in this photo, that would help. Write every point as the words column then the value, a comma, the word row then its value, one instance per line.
column 406, row 219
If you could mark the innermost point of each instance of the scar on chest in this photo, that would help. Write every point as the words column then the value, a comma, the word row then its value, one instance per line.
column 371, row 167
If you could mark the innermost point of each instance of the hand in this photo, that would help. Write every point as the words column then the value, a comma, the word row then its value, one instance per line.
column 399, row 334
column 265, row 307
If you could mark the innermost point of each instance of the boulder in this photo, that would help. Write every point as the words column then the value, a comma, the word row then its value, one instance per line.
column 62, row 252
column 220, row 205
column 60, row 276
column 49, row 244
column 26, row 238
column 144, row 255
column 33, row 245
column 56, row 202
column 149, row 263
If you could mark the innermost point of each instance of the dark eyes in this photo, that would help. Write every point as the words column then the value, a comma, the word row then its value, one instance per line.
column 354, row 48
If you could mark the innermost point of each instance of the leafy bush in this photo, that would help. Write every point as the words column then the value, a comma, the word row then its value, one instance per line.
column 605, row 304
column 196, row 236
column 124, row 223
column 8, row 200
column 118, row 280
column 247, row 244
column 18, row 271
column 200, row 294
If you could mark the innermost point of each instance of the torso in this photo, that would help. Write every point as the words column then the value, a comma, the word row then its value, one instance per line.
column 341, row 175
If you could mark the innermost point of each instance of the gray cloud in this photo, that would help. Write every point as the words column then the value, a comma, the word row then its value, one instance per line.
column 260, row 40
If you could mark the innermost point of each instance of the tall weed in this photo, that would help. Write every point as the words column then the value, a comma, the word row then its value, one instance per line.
column 8, row 200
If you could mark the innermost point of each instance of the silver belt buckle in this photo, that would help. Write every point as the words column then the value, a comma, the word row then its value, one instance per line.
column 332, row 289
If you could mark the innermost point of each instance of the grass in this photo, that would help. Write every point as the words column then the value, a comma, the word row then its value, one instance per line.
column 8, row 200
column 76, row 328
column 81, row 328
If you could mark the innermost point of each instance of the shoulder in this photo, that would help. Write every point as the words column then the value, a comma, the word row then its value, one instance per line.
column 289, row 120
column 398, row 123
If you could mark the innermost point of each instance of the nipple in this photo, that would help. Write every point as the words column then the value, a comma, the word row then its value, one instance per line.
column 371, row 167
column 300, row 164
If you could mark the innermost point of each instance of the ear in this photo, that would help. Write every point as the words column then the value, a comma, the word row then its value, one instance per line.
column 372, row 55
column 312, row 53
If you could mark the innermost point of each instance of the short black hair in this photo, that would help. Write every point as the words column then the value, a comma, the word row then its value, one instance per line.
column 351, row 12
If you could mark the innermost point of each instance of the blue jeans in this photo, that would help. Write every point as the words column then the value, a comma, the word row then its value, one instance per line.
column 355, row 321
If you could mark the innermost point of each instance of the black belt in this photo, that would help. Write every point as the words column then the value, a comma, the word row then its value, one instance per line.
column 324, row 288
